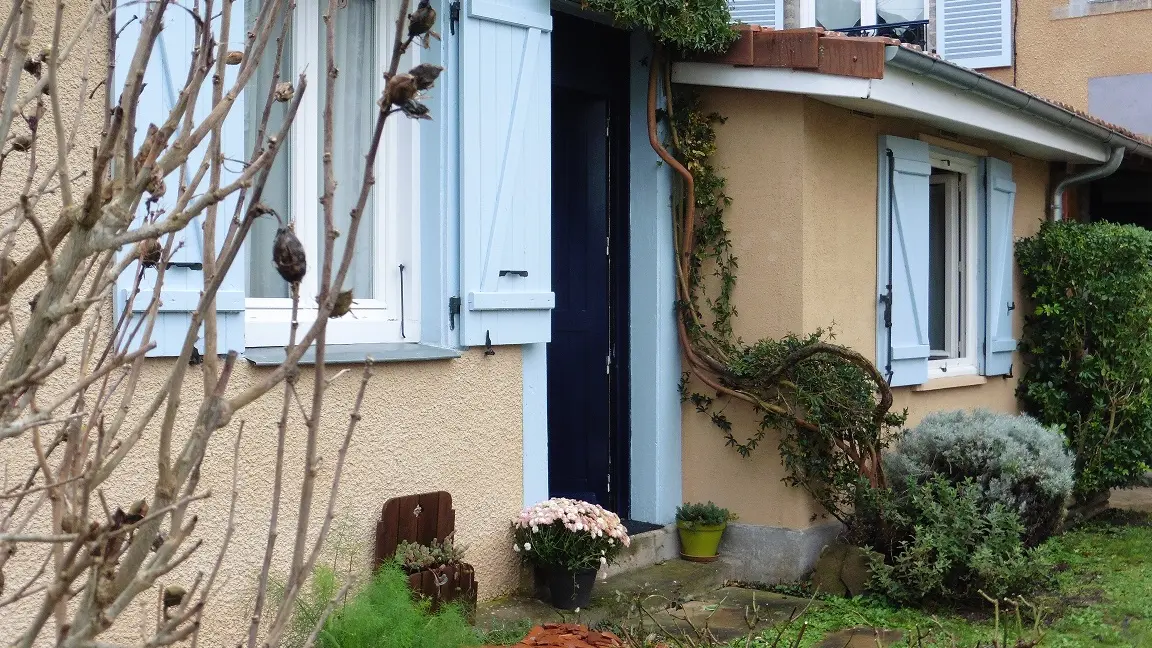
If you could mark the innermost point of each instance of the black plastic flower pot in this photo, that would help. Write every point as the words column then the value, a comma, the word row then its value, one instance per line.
column 570, row 590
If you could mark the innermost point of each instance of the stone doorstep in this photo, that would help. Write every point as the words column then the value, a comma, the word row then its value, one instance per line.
column 656, row 585
column 647, row 549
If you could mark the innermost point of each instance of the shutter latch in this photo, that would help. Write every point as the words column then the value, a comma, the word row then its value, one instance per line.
column 453, row 16
column 453, row 311
column 887, row 301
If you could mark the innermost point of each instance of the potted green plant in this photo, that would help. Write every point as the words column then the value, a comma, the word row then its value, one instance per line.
column 701, row 526
column 567, row 542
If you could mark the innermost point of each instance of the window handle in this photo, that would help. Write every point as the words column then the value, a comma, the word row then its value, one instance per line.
column 519, row 273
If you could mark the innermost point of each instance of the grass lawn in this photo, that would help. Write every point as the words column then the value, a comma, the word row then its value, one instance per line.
column 1102, row 597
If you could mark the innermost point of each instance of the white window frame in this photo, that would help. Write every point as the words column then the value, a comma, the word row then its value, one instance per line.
column 867, row 12
column 964, row 263
column 396, row 202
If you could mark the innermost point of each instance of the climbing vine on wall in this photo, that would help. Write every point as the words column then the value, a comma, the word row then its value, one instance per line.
column 831, row 403
column 686, row 25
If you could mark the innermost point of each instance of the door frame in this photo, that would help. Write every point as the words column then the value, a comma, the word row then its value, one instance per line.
column 654, row 443
column 619, row 305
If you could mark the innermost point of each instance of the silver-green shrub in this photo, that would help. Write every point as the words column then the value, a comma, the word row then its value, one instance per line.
column 1016, row 461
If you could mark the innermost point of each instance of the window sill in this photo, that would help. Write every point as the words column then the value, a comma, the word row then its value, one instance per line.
column 354, row 354
column 950, row 382
column 1082, row 8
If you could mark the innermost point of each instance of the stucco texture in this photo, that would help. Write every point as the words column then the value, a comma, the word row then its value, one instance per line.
column 452, row 425
column 1055, row 57
column 802, row 176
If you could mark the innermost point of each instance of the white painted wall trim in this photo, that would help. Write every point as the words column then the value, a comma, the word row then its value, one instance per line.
column 905, row 94
column 535, row 362
column 656, row 460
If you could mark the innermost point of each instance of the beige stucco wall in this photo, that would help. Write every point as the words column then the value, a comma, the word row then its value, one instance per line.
column 449, row 425
column 802, row 176
column 453, row 426
column 430, row 426
column 1056, row 56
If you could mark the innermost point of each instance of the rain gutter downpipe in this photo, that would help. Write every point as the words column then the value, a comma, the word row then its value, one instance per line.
column 1088, row 175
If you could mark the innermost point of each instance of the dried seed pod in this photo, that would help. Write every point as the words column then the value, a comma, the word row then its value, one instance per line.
column 342, row 305
column 425, row 75
column 33, row 67
column 69, row 523
column 288, row 255
column 146, row 147
column 261, row 209
column 234, row 57
column 149, row 252
column 422, row 20
column 173, row 596
column 284, row 92
column 156, row 187
column 35, row 300
column 136, row 512
column 416, row 110
column 22, row 143
column 400, row 90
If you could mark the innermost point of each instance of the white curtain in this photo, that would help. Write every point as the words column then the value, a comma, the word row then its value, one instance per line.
column 837, row 14
column 262, row 278
column 355, row 114
column 894, row 11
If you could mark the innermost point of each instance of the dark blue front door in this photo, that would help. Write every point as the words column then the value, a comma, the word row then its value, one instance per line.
column 578, row 387
column 587, row 372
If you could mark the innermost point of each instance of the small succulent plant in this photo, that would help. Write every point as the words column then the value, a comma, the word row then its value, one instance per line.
column 414, row 557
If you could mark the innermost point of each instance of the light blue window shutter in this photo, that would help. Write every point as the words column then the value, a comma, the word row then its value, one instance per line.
column 975, row 33
column 902, row 309
column 506, row 172
column 184, row 279
column 1000, row 198
column 766, row 13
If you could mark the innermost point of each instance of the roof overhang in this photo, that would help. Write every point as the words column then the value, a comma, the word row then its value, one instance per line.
column 931, row 91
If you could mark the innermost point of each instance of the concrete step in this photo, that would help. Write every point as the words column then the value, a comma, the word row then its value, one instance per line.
column 616, row 598
column 647, row 549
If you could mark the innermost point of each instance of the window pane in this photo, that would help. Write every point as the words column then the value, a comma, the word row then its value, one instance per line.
column 835, row 14
column 937, row 267
column 355, row 117
column 896, row 11
column 262, row 278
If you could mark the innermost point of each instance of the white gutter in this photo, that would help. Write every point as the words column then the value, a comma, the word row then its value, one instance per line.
column 909, row 95
column 928, row 89
column 1009, row 96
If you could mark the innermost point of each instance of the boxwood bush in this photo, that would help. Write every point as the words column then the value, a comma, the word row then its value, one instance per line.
column 1013, row 460
column 1088, row 345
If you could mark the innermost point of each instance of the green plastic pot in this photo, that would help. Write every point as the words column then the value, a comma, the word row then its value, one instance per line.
column 700, row 543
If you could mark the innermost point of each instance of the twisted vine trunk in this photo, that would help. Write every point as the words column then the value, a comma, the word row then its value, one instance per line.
column 709, row 365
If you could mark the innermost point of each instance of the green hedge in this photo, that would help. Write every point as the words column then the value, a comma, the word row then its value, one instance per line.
column 1088, row 345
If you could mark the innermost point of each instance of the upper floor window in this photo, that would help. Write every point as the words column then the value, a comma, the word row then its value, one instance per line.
column 972, row 33
column 841, row 14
